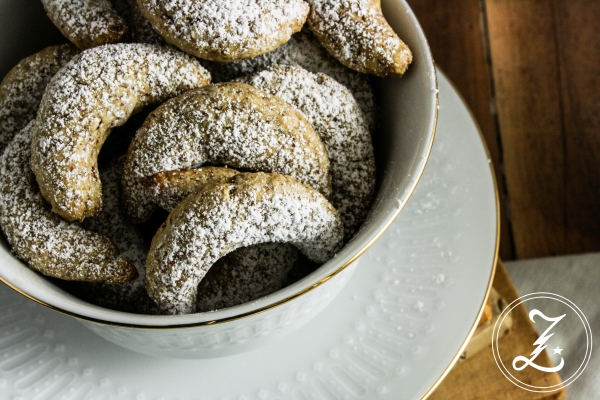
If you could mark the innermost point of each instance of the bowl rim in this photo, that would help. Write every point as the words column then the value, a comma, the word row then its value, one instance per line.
column 298, row 293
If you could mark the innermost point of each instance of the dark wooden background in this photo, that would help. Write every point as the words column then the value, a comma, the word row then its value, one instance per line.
column 530, row 71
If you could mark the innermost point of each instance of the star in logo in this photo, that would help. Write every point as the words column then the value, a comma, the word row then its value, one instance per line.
column 557, row 350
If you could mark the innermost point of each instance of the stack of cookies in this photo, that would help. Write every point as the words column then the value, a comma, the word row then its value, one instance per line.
column 220, row 193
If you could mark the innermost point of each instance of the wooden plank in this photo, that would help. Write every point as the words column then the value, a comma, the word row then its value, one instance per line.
column 526, row 75
column 482, row 337
column 579, row 60
column 479, row 377
column 455, row 32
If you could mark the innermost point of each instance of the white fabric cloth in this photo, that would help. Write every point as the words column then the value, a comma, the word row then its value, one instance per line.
column 578, row 279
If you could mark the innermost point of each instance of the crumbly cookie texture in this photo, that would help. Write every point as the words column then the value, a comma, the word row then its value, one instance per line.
column 247, row 209
column 226, row 30
column 305, row 51
column 169, row 188
column 246, row 274
column 357, row 34
column 87, row 23
column 22, row 88
column 339, row 122
column 95, row 92
column 112, row 223
column 45, row 241
column 231, row 124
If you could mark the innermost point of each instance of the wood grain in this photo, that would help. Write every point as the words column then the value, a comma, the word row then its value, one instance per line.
column 578, row 47
column 524, row 58
column 479, row 377
column 456, row 34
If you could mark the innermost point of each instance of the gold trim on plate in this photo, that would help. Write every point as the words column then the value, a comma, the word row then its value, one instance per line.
column 496, row 250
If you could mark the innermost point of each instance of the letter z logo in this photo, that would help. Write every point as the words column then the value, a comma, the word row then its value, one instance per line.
column 561, row 319
column 541, row 345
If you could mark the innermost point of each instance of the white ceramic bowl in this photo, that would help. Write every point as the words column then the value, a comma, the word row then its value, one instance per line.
column 408, row 114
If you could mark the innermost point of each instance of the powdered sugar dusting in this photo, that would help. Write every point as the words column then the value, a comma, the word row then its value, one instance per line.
column 46, row 242
column 22, row 88
column 112, row 223
column 87, row 23
column 226, row 30
column 247, row 209
column 246, row 274
column 357, row 34
column 243, row 275
column 96, row 91
column 303, row 50
column 337, row 119
column 230, row 124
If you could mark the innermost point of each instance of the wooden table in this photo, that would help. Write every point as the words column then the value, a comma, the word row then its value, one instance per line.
column 530, row 71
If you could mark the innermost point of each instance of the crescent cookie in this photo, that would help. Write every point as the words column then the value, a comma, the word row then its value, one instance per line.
column 243, row 275
column 230, row 124
column 357, row 34
column 339, row 122
column 225, row 30
column 246, row 209
column 45, row 241
column 95, row 92
column 22, row 88
column 87, row 23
